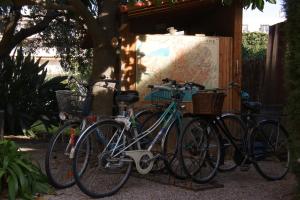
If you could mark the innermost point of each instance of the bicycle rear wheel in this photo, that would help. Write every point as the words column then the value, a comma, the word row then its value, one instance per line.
column 270, row 150
column 103, row 175
column 170, row 151
column 229, row 156
column 200, row 150
column 58, row 162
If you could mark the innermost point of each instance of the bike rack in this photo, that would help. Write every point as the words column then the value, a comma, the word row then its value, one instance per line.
column 163, row 177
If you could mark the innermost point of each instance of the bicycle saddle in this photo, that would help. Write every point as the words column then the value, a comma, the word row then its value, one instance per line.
column 129, row 96
column 254, row 106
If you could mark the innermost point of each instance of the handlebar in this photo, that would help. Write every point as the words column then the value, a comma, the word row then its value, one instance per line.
column 87, row 85
column 186, row 84
column 162, row 87
column 192, row 84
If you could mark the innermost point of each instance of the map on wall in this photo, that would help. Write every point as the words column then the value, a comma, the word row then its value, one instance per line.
column 179, row 57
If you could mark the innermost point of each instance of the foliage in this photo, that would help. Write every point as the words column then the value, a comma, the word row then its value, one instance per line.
column 259, row 4
column 67, row 38
column 18, row 175
column 254, row 46
column 26, row 96
column 37, row 130
column 292, row 8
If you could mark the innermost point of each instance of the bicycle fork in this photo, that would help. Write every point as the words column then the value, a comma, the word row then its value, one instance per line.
column 71, row 144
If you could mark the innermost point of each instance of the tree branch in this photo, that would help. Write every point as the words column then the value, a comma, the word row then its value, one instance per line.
column 93, row 27
column 10, row 27
column 6, row 48
column 43, row 3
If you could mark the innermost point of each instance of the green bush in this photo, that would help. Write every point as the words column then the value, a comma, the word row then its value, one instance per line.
column 18, row 176
column 25, row 94
column 254, row 46
column 292, row 8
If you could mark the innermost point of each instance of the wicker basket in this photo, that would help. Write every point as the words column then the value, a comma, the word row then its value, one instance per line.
column 69, row 101
column 208, row 102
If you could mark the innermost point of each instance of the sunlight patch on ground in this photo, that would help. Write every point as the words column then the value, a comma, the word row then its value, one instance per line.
column 26, row 149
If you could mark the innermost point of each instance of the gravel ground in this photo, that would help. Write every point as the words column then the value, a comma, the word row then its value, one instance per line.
column 237, row 186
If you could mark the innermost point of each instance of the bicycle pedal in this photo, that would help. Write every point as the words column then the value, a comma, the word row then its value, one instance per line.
column 158, row 156
column 244, row 168
column 71, row 155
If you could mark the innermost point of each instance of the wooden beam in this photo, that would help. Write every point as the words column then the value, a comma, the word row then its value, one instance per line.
column 237, row 51
column 167, row 7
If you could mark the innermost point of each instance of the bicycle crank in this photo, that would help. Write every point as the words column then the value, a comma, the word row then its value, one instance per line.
column 143, row 160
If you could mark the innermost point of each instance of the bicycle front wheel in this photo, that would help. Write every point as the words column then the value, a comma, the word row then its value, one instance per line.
column 270, row 150
column 103, row 175
column 58, row 161
column 200, row 150
column 170, row 151
column 230, row 158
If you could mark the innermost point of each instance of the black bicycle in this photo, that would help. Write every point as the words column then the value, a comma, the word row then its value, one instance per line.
column 250, row 138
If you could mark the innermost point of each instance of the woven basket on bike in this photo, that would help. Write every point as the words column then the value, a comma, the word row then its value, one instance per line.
column 70, row 102
column 208, row 102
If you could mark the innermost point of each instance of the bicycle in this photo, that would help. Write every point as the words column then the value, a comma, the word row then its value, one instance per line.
column 75, row 114
column 160, row 100
column 246, row 140
column 111, row 163
column 200, row 143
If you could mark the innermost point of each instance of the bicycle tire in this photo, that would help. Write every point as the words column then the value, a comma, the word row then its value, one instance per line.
column 99, row 163
column 199, row 149
column 56, row 180
column 170, row 153
column 150, row 117
column 237, row 130
column 262, row 146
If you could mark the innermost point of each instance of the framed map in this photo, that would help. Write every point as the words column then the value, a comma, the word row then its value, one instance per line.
column 179, row 57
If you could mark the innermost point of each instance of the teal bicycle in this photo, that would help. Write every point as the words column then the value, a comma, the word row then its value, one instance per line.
column 111, row 162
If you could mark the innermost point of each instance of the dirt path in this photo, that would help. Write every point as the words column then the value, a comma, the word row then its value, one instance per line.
column 237, row 186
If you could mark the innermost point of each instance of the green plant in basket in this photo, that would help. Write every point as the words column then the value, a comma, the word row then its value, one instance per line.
column 19, row 177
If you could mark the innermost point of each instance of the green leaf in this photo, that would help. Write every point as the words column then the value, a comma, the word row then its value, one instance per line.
column 11, row 189
column 20, row 176
column 41, row 188
column 12, row 185
column 5, row 162
column 260, row 4
column 26, row 166
column 272, row 1
column 2, row 172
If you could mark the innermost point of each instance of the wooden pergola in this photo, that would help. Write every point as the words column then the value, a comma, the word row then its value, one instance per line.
column 193, row 16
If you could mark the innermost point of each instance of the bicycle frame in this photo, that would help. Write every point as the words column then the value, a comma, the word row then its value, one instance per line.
column 167, row 118
column 220, row 124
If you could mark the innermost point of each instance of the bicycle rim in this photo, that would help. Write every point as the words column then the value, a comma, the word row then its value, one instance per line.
column 101, row 176
column 200, row 150
column 270, row 150
column 58, row 163
column 171, row 153
column 237, row 130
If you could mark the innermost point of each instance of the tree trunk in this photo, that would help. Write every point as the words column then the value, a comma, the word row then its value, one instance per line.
column 105, row 58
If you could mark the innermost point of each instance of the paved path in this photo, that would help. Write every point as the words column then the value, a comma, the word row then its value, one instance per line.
column 237, row 186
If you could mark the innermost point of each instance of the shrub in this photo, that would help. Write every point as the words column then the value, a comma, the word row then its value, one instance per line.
column 18, row 175
column 254, row 60
column 292, row 8
column 25, row 95
column 254, row 46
